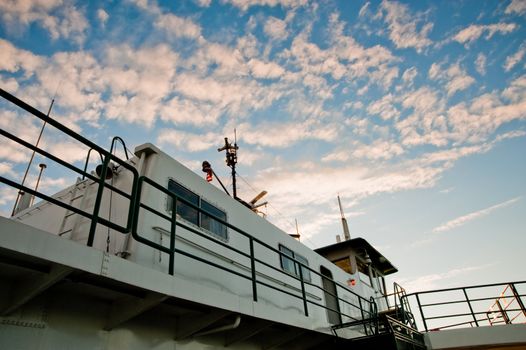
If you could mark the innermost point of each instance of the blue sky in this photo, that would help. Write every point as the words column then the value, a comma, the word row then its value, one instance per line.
column 413, row 112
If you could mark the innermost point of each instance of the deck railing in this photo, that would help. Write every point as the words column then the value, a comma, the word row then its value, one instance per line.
column 472, row 306
column 364, row 307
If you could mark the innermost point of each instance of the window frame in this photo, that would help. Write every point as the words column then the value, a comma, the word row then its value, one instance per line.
column 284, row 257
column 199, row 224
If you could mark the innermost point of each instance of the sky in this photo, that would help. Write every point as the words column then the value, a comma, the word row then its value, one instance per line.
column 413, row 112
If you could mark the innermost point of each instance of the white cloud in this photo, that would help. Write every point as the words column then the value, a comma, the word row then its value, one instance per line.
column 402, row 24
column 474, row 122
column 437, row 280
column 426, row 124
column 513, row 60
column 434, row 71
column 455, row 77
column 276, row 28
column 13, row 59
column 378, row 150
column 475, row 31
column 245, row 4
column 186, row 141
column 409, row 75
column 516, row 6
column 293, row 132
column 265, row 70
column 480, row 64
column 103, row 16
column 289, row 187
column 178, row 27
column 363, row 9
column 516, row 91
column 462, row 220
column 186, row 111
column 203, row 3
column 458, row 83
column 59, row 17
column 6, row 169
column 384, row 107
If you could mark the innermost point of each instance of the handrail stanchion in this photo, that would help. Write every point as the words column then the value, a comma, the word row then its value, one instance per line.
column 421, row 312
column 253, row 268
column 518, row 298
column 303, row 294
column 87, row 161
column 172, row 236
column 363, row 316
column 98, row 200
column 470, row 307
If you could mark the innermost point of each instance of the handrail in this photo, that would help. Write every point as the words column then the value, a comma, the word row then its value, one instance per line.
column 434, row 311
column 367, row 308
column 94, row 216
column 252, row 240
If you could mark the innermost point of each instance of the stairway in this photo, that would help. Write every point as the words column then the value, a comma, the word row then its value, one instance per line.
column 390, row 334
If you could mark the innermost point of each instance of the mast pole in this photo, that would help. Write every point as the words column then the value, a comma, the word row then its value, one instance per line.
column 346, row 233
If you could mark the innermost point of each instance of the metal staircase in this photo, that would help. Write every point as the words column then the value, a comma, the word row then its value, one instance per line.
column 392, row 329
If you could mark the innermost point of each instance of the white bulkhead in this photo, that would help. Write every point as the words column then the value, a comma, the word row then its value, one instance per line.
column 213, row 246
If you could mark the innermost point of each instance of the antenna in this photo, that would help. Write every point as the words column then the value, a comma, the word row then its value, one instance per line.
column 21, row 193
column 231, row 160
column 346, row 234
column 42, row 166
column 297, row 235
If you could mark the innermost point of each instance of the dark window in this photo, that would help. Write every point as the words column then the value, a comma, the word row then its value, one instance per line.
column 286, row 263
column 210, row 224
column 184, row 210
column 193, row 215
column 293, row 267
column 344, row 264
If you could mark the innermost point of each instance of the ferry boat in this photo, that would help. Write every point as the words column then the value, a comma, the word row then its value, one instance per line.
column 143, row 253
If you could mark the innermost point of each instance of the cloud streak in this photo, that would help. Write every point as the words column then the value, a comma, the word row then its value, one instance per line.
column 462, row 220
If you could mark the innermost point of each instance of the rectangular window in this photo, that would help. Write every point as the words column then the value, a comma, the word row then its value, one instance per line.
column 344, row 264
column 193, row 215
column 184, row 210
column 293, row 267
column 209, row 223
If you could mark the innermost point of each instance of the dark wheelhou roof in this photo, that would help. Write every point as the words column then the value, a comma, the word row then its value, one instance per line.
column 380, row 262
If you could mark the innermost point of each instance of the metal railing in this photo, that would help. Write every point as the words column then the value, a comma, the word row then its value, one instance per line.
column 472, row 306
column 366, row 308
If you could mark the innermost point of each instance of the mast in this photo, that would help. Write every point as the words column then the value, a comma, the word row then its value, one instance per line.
column 231, row 160
column 346, row 234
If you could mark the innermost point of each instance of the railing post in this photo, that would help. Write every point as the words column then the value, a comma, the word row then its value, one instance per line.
column 172, row 236
column 303, row 294
column 470, row 308
column 421, row 312
column 503, row 312
column 518, row 298
column 98, row 200
column 363, row 315
column 253, row 268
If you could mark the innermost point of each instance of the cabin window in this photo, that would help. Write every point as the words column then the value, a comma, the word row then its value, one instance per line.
column 293, row 267
column 344, row 264
column 210, row 224
column 193, row 215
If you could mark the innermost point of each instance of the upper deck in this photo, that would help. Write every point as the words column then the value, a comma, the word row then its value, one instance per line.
column 146, row 249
